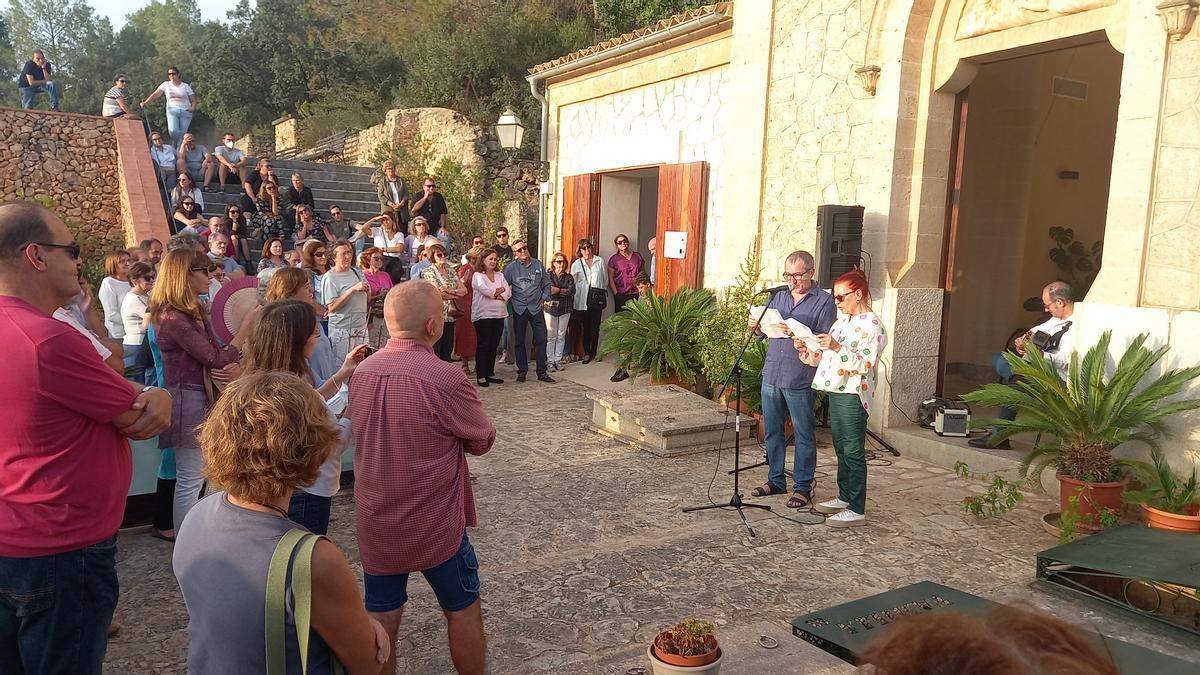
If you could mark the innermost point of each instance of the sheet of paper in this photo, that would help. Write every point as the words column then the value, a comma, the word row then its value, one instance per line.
column 804, row 333
column 770, row 322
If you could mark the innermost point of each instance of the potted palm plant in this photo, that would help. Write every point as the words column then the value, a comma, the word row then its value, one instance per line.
column 1169, row 502
column 1081, row 420
column 657, row 335
column 687, row 647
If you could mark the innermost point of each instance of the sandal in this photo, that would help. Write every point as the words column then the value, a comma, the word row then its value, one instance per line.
column 766, row 490
column 799, row 500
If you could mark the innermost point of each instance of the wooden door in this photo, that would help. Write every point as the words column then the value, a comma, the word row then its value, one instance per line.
column 580, row 220
column 682, row 202
column 580, row 212
column 957, row 157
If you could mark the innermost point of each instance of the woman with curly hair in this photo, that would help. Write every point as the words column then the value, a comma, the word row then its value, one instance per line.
column 268, row 434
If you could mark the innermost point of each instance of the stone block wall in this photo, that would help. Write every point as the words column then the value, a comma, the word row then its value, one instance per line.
column 256, row 146
column 1172, row 268
column 71, row 159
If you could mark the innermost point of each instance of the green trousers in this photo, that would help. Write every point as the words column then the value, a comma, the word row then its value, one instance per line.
column 848, row 420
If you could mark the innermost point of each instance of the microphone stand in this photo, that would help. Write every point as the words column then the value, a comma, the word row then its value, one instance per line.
column 735, row 376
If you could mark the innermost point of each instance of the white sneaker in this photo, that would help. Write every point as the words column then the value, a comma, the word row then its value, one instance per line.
column 831, row 506
column 846, row 518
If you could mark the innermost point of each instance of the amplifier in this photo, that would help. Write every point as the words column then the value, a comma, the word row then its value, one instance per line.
column 952, row 422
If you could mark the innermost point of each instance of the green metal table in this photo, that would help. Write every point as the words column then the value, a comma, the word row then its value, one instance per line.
column 1153, row 573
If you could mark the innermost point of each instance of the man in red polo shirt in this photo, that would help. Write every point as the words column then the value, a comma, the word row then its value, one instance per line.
column 64, row 457
column 415, row 419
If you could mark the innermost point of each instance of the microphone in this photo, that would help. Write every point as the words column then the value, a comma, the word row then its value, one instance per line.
column 773, row 290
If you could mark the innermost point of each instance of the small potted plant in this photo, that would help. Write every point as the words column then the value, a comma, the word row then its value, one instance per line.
column 687, row 647
column 1169, row 502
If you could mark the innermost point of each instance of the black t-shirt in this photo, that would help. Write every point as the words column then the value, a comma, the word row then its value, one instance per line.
column 502, row 251
column 304, row 196
column 255, row 180
column 432, row 210
column 33, row 69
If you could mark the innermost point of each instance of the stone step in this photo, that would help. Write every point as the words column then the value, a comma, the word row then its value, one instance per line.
column 292, row 164
column 665, row 420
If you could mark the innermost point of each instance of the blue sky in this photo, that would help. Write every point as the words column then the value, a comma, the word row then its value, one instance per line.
column 116, row 10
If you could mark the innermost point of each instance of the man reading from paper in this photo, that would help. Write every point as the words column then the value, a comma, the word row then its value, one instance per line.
column 786, row 385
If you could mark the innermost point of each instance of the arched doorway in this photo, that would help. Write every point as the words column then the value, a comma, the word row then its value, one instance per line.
column 1014, row 117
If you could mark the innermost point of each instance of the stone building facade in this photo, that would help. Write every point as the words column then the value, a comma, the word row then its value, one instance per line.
column 967, row 129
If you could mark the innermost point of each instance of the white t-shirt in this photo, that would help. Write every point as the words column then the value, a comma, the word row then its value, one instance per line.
column 133, row 309
column 112, row 292
column 178, row 98
column 68, row 318
column 384, row 241
column 1061, row 357
column 329, row 476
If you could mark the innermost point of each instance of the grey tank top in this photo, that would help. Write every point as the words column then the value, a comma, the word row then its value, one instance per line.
column 221, row 557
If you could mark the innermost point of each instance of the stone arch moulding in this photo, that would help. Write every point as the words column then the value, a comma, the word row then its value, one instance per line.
column 917, row 43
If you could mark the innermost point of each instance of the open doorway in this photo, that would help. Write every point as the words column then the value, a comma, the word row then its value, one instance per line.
column 629, row 206
column 1034, row 151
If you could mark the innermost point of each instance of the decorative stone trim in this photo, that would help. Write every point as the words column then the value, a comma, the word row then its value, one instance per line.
column 868, row 75
column 1178, row 16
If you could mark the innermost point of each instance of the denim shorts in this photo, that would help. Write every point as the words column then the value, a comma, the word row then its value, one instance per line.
column 454, row 582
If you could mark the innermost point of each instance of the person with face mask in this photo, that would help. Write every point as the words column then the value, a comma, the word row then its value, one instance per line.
column 787, row 381
column 231, row 161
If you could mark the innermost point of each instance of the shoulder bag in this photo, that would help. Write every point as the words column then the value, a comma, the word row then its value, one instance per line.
column 301, row 543
column 597, row 298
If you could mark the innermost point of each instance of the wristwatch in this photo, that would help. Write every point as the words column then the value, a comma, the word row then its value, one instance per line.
column 147, row 388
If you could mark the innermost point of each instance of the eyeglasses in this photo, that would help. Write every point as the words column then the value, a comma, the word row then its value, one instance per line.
column 234, row 211
column 430, row 185
column 839, row 298
column 150, row 278
column 519, row 250
column 560, row 260
column 319, row 254
column 122, row 81
column 172, row 72
column 335, row 214
column 501, row 234
column 72, row 250
column 207, row 272
column 796, row 275
column 182, row 178
column 622, row 242
column 189, row 203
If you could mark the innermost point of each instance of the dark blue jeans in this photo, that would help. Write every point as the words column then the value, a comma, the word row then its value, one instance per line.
column 521, row 323
column 310, row 511
column 55, row 610
column 777, row 404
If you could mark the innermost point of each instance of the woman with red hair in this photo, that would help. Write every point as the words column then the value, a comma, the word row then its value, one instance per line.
column 846, row 363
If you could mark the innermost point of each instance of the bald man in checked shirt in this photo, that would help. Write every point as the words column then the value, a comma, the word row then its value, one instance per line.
column 415, row 419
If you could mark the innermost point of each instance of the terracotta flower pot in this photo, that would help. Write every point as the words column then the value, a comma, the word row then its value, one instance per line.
column 1092, row 498
column 709, row 664
column 671, row 378
column 1165, row 520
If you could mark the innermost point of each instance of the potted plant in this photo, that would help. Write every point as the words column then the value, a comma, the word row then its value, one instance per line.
column 657, row 335
column 723, row 332
column 1169, row 502
column 1083, row 419
column 687, row 647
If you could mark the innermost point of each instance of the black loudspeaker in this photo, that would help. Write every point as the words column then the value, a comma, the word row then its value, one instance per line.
column 839, row 241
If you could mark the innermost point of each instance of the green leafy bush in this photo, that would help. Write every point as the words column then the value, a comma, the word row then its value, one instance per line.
column 723, row 332
column 1163, row 489
column 1084, row 418
column 657, row 335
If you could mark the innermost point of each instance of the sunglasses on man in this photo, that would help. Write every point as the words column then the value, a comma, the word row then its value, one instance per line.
column 72, row 250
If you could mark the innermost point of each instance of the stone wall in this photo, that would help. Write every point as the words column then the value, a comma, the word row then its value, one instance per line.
column 442, row 134
column 256, row 146
column 1172, row 269
column 71, row 159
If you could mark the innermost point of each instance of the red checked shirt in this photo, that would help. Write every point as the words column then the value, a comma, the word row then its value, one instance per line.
column 415, row 418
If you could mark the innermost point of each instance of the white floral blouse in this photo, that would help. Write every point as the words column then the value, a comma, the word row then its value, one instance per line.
column 852, row 368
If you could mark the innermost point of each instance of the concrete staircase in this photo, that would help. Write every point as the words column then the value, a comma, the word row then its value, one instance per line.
column 349, row 187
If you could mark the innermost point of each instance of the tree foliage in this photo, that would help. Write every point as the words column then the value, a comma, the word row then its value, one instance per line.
column 338, row 65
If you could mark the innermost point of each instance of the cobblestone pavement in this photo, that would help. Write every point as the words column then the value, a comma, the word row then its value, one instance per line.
column 585, row 555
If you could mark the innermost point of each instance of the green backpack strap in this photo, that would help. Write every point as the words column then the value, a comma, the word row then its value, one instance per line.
column 276, row 601
column 301, row 543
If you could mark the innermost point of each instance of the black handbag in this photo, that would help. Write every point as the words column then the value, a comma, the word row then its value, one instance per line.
column 597, row 298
